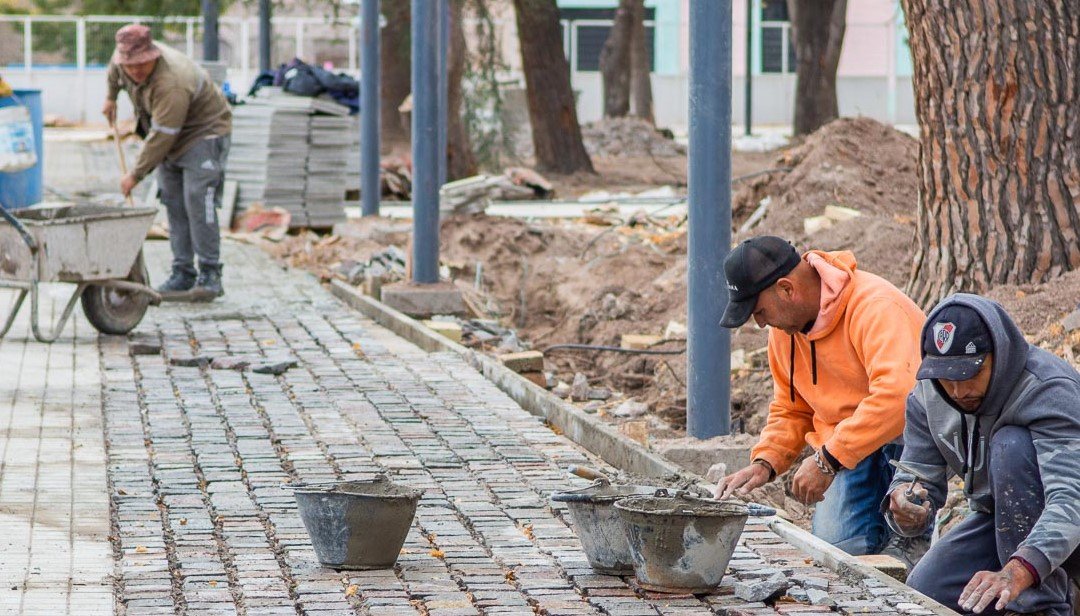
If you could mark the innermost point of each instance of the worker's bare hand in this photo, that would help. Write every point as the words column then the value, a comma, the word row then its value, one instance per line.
column 809, row 483
column 743, row 481
column 127, row 183
column 109, row 111
column 1004, row 585
column 907, row 515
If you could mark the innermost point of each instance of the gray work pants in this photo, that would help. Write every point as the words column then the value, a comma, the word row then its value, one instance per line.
column 984, row 542
column 191, row 188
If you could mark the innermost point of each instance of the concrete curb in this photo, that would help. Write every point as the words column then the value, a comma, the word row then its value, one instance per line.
column 598, row 437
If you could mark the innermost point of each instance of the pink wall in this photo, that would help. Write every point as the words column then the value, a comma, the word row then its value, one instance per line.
column 866, row 42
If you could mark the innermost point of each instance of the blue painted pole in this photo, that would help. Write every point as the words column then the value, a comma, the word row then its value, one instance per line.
column 370, row 189
column 425, row 144
column 708, row 361
column 444, row 98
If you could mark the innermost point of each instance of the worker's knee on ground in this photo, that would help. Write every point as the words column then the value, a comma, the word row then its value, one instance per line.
column 1010, row 447
column 925, row 578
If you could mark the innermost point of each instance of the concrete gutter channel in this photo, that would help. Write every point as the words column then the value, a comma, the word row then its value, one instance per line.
column 600, row 438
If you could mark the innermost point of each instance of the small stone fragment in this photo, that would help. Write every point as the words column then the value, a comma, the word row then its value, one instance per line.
column 561, row 389
column 631, row 408
column 599, row 393
column 231, row 362
column 191, row 361
column 762, row 589
column 716, row 472
column 275, row 368
column 819, row 597
column 579, row 389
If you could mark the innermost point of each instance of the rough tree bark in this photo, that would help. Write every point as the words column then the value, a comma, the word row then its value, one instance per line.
column 461, row 162
column 615, row 61
column 817, row 31
column 552, row 112
column 395, row 69
column 997, row 88
column 640, row 83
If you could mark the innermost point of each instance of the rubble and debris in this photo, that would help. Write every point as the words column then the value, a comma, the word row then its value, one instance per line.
column 630, row 408
column 233, row 362
column 525, row 361
column 473, row 194
column 144, row 344
column 269, row 223
column 621, row 137
column 716, row 472
column 639, row 341
column 447, row 329
column 190, row 361
column 579, row 389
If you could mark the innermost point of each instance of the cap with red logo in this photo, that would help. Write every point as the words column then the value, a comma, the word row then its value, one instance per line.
column 955, row 344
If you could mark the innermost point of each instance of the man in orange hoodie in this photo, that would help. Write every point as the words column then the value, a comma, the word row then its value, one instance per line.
column 843, row 351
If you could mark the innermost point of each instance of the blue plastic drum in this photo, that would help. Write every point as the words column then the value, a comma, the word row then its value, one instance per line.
column 25, row 188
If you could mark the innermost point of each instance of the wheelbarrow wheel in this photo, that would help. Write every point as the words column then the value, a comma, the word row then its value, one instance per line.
column 117, row 311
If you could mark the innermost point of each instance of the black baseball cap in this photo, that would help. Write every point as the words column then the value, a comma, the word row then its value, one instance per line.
column 750, row 268
column 955, row 344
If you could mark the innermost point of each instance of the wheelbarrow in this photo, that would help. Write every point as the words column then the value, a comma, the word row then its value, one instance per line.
column 96, row 248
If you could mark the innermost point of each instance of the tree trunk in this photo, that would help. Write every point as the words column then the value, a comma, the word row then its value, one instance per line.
column 461, row 163
column 997, row 88
column 395, row 69
column 552, row 112
column 817, row 31
column 640, row 68
column 615, row 61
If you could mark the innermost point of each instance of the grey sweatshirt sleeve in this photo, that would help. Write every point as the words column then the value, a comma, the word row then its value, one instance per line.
column 112, row 76
column 921, row 455
column 1052, row 414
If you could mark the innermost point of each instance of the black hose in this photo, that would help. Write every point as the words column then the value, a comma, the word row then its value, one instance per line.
column 613, row 349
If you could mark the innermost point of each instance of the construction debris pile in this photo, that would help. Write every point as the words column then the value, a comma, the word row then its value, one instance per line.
column 625, row 137
column 292, row 152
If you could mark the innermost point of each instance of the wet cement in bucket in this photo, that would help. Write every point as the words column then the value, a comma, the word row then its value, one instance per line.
column 681, row 544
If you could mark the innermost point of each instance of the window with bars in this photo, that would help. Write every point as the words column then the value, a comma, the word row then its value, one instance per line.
column 590, row 36
column 777, row 48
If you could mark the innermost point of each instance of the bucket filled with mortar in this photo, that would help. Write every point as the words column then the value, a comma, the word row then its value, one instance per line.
column 680, row 543
column 357, row 524
column 598, row 526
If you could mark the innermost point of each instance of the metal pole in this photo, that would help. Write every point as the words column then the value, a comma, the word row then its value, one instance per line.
column 748, row 83
column 444, row 99
column 369, row 109
column 265, row 36
column 425, row 127
column 80, row 64
column 708, row 411
column 210, row 30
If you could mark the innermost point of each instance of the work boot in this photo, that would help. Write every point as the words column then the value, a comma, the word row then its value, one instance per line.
column 208, row 285
column 179, row 283
column 908, row 550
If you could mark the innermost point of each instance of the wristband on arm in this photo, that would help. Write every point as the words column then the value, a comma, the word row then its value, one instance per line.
column 765, row 463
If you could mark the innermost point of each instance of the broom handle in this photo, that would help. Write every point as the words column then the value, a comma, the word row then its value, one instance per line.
column 123, row 161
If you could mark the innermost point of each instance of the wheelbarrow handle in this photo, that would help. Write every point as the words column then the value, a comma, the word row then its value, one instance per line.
column 23, row 232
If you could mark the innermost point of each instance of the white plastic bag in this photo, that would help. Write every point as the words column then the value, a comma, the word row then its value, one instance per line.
column 16, row 139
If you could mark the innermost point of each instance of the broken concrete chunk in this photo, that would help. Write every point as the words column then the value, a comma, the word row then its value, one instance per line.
column 819, row 597
column 235, row 362
column 191, row 361
column 599, row 393
column 814, row 582
column 526, row 361
column 561, row 389
column 638, row 341
column 890, row 566
column 738, row 360
column 144, row 347
column 637, row 430
column 698, row 455
column 592, row 407
column 579, row 389
column 716, row 472
column 762, row 589
column 631, row 408
column 275, row 368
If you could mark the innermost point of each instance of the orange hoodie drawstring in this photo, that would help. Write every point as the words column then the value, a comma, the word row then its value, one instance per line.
column 791, row 367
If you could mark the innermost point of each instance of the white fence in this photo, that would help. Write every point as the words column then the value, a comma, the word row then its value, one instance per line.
column 66, row 56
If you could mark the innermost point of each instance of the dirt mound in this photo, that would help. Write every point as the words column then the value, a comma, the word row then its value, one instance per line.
column 855, row 163
column 620, row 137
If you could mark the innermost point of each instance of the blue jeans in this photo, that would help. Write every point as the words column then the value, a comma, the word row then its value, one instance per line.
column 850, row 516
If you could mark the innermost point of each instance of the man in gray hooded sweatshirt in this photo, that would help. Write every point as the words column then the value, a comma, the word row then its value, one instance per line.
column 1003, row 415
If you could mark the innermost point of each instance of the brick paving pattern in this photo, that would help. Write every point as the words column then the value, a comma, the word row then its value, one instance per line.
column 197, row 457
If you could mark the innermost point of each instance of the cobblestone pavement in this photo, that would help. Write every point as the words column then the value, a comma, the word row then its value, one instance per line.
column 196, row 459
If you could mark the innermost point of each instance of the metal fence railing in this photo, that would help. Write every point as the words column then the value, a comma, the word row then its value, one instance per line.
column 60, row 42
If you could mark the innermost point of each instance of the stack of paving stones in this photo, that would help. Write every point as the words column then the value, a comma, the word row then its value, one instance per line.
column 202, row 525
column 291, row 152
